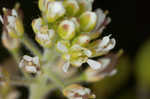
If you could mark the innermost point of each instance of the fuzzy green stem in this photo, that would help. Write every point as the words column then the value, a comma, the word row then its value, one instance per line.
column 53, row 77
column 15, row 54
column 39, row 91
column 80, row 78
column 29, row 44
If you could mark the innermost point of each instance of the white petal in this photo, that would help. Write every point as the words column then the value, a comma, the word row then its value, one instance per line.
column 94, row 64
column 36, row 60
column 27, row 58
column 104, row 41
column 11, row 20
column 31, row 69
column 105, row 62
column 111, row 45
column 66, row 66
column 101, row 17
column 14, row 13
column 21, row 64
column 1, row 19
column 87, row 52
column 56, row 8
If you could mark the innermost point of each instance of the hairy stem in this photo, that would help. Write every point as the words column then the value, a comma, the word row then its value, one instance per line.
column 15, row 54
column 77, row 79
column 29, row 44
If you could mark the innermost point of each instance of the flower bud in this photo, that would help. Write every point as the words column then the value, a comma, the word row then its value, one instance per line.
column 76, row 91
column 76, row 22
column 30, row 65
column 63, row 46
column 79, row 55
column 105, row 45
column 55, row 10
column 45, row 36
column 84, row 5
column 72, row 7
column 43, row 4
column 9, row 42
column 12, row 23
column 82, row 40
column 66, row 29
column 36, row 24
column 88, row 21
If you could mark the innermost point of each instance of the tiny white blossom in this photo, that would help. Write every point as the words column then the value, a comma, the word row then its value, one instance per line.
column 30, row 64
column 106, row 44
column 76, row 91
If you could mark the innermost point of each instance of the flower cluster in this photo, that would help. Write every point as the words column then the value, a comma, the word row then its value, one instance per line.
column 70, row 34
column 72, row 27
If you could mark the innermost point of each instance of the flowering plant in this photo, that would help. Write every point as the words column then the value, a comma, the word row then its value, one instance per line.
column 70, row 34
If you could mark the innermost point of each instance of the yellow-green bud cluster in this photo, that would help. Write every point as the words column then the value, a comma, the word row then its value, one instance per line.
column 72, row 26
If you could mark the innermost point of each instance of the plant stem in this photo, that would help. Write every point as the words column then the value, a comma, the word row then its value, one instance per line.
column 29, row 44
column 15, row 54
column 80, row 78
column 39, row 91
column 54, row 78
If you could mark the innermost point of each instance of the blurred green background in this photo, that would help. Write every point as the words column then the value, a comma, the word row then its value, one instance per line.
column 132, row 34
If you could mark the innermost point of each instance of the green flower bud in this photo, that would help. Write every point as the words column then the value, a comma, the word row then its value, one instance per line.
column 77, row 25
column 66, row 29
column 82, row 40
column 62, row 46
column 88, row 21
column 55, row 10
column 72, row 7
column 45, row 37
column 84, row 5
column 43, row 4
column 36, row 24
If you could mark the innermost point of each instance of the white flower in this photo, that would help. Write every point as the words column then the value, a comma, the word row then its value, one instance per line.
column 55, row 10
column 30, row 64
column 106, row 44
column 76, row 91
